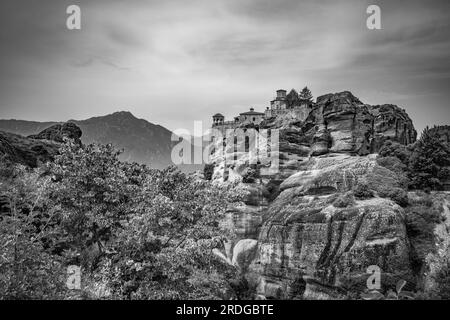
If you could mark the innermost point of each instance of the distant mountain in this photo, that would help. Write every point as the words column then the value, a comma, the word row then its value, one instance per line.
column 141, row 140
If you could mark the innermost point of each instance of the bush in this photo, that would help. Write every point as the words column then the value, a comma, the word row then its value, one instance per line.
column 362, row 190
column 430, row 161
column 396, row 150
column 208, row 171
column 272, row 190
column 399, row 196
column 394, row 165
column 442, row 279
column 249, row 176
column 420, row 223
column 145, row 233
column 344, row 200
column 28, row 232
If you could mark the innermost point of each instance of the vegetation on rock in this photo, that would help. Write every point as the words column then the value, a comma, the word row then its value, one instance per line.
column 426, row 163
column 305, row 94
column 141, row 233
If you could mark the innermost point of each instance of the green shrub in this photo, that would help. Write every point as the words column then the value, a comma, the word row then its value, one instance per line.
column 399, row 196
column 146, row 233
column 363, row 191
column 397, row 150
column 249, row 176
column 420, row 223
column 394, row 165
column 442, row 279
column 28, row 232
column 208, row 171
column 272, row 190
column 430, row 161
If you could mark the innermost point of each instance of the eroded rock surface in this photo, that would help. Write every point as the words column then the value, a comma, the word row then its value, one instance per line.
column 60, row 132
column 307, row 248
column 310, row 249
column 37, row 149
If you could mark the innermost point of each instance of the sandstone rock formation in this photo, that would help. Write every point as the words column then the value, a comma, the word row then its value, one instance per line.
column 59, row 132
column 308, row 248
column 341, row 123
column 140, row 140
column 441, row 256
column 35, row 150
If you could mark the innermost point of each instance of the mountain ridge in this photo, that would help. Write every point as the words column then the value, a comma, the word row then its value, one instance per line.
column 141, row 140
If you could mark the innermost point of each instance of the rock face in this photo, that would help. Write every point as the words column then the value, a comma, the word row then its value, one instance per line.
column 308, row 245
column 142, row 141
column 59, row 132
column 440, row 257
column 311, row 249
column 337, row 123
column 35, row 150
column 341, row 123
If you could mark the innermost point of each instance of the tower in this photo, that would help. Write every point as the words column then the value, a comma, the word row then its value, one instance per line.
column 280, row 101
column 281, row 94
column 218, row 119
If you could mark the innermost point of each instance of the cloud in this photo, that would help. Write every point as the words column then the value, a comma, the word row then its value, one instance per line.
column 173, row 62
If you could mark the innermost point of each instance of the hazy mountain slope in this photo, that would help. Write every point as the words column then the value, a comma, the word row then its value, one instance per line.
column 141, row 140
column 24, row 128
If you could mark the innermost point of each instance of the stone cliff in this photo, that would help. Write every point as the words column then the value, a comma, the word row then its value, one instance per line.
column 312, row 244
column 37, row 149
column 341, row 123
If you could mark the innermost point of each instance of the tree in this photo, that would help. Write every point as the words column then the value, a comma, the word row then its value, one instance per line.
column 140, row 233
column 208, row 171
column 306, row 95
column 28, row 230
column 292, row 99
column 95, row 193
column 154, row 231
column 430, row 161
column 165, row 250
column 397, row 150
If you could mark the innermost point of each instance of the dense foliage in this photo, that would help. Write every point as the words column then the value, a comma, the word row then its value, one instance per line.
column 305, row 95
column 137, row 233
column 28, row 269
column 425, row 163
column 421, row 217
column 430, row 161
column 292, row 98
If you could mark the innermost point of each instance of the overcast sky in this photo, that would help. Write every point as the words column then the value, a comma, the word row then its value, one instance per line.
column 173, row 62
